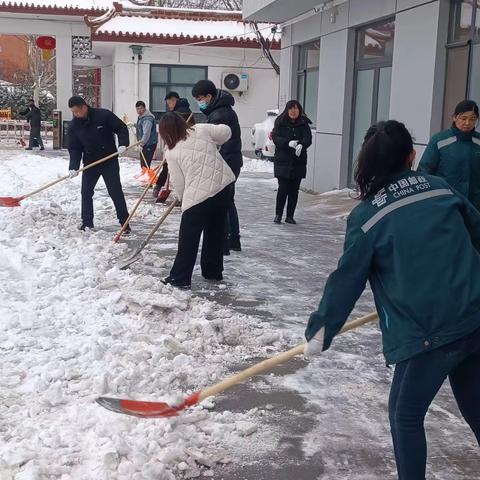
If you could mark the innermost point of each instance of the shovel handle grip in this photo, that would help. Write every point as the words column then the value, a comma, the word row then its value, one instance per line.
column 269, row 363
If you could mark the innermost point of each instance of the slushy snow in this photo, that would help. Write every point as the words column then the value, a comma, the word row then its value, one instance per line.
column 74, row 327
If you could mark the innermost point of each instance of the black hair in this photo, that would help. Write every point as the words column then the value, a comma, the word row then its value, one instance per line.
column 466, row 106
column 170, row 95
column 31, row 100
column 384, row 152
column 283, row 117
column 204, row 87
column 140, row 104
column 76, row 101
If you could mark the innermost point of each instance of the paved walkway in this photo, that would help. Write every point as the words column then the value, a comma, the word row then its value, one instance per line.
column 323, row 420
column 327, row 419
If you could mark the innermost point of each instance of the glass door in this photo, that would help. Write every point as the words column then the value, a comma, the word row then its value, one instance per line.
column 373, row 74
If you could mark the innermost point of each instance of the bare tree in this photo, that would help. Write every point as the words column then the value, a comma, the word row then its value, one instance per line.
column 41, row 75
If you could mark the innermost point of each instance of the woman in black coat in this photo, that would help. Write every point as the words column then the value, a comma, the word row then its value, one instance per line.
column 292, row 136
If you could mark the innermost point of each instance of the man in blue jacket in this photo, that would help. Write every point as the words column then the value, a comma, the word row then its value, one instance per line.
column 146, row 132
column 91, row 136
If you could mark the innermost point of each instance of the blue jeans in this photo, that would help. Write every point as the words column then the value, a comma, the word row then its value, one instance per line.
column 416, row 382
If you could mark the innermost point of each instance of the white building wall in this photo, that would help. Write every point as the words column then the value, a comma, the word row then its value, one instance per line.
column 250, row 106
column 418, row 70
column 413, row 75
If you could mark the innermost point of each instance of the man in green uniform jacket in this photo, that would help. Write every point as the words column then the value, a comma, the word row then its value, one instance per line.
column 454, row 154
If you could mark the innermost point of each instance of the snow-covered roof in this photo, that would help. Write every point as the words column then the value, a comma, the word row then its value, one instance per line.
column 56, row 7
column 176, row 30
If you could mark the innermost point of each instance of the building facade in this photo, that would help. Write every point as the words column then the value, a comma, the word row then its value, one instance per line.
column 352, row 63
column 115, row 54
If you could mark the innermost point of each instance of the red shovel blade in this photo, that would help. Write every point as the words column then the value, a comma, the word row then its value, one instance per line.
column 142, row 409
column 10, row 201
column 163, row 195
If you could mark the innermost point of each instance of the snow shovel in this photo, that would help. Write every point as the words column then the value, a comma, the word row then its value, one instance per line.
column 143, row 409
column 146, row 170
column 164, row 192
column 137, row 254
column 142, row 196
column 15, row 201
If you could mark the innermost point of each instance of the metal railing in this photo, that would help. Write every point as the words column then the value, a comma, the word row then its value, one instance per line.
column 12, row 131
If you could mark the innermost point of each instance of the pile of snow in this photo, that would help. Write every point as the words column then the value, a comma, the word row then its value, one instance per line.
column 255, row 165
column 75, row 327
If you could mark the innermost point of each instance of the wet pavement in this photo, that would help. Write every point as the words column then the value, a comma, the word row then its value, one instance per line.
column 321, row 420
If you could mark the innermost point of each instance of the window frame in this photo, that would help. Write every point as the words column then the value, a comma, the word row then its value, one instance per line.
column 169, row 83
column 452, row 43
column 301, row 74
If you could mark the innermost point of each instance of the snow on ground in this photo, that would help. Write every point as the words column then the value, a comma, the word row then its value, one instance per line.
column 74, row 327
column 255, row 165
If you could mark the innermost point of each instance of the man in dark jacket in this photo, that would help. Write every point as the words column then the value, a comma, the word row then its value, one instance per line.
column 217, row 106
column 34, row 116
column 91, row 137
column 182, row 107
column 177, row 104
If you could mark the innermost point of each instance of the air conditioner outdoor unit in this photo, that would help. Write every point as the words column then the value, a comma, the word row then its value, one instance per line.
column 235, row 82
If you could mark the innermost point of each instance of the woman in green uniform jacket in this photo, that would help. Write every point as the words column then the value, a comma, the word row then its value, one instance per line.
column 416, row 240
column 454, row 154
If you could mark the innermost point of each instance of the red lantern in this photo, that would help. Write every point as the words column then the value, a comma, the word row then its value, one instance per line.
column 46, row 43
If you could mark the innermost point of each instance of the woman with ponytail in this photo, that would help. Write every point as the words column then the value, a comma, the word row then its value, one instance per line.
column 416, row 241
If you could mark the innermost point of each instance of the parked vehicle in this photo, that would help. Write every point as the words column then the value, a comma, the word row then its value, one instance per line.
column 262, row 136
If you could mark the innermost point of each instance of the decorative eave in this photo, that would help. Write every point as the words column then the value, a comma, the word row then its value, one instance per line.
column 162, row 39
column 30, row 8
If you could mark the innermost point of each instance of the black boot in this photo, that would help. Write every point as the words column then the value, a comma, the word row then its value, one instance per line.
column 174, row 283
column 290, row 220
column 277, row 219
column 83, row 227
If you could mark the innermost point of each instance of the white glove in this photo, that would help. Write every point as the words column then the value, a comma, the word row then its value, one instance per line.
column 130, row 124
column 315, row 346
column 293, row 143
column 122, row 149
column 72, row 173
column 298, row 149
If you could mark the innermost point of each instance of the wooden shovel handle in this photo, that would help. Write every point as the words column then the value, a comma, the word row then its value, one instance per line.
column 142, row 196
column 58, row 180
column 269, row 363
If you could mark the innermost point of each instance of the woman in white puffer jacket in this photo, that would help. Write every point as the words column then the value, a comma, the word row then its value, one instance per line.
column 201, row 179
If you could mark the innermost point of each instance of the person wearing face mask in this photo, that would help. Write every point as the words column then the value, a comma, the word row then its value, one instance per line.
column 454, row 154
column 217, row 105
column 292, row 136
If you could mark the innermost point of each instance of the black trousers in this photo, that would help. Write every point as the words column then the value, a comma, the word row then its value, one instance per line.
column 110, row 171
column 415, row 384
column 35, row 134
column 287, row 189
column 207, row 217
column 148, row 151
column 162, row 176
column 232, row 224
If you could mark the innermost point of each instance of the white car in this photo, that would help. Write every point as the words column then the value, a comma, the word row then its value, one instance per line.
column 262, row 136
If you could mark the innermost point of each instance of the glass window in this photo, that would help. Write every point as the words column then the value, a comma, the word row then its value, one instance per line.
column 376, row 42
column 307, row 78
column 363, row 108
column 461, row 20
column 180, row 79
column 384, row 84
column 456, row 81
column 159, row 74
column 474, row 81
